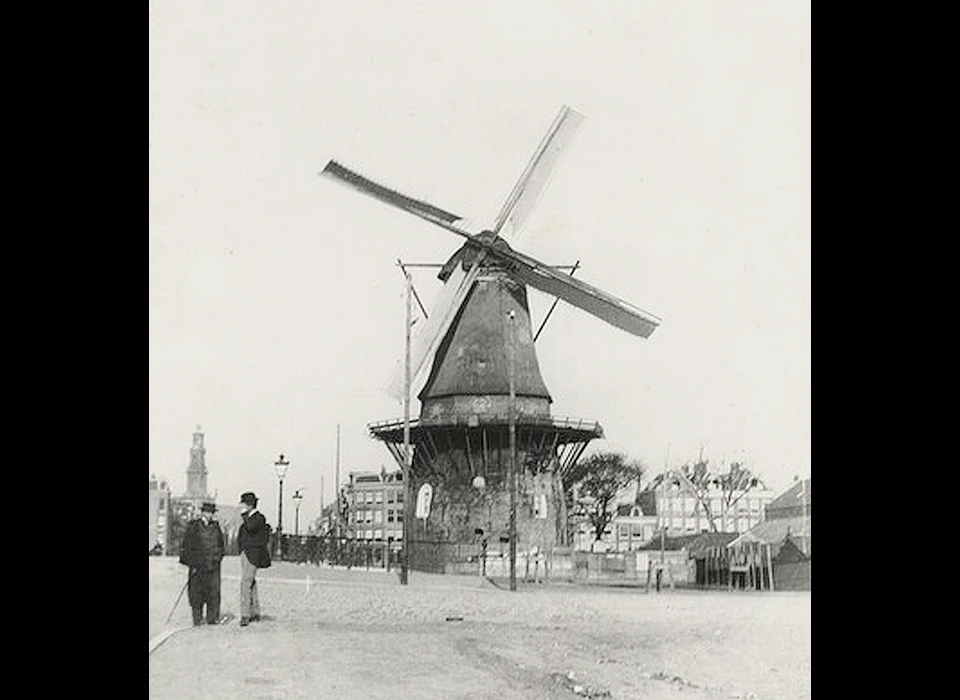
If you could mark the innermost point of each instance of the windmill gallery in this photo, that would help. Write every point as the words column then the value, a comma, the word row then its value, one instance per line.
column 485, row 440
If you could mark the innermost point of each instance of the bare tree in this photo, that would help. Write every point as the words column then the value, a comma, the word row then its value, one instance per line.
column 733, row 485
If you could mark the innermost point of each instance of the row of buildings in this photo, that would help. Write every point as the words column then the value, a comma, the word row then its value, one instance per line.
column 676, row 510
column 677, row 504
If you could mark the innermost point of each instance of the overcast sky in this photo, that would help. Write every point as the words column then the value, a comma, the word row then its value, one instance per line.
column 276, row 307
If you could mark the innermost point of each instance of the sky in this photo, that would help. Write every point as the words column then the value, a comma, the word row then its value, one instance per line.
column 276, row 307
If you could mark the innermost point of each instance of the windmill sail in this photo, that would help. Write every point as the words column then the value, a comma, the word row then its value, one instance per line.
column 434, row 215
column 607, row 307
column 536, row 176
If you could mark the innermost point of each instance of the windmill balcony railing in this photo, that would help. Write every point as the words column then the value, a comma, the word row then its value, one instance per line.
column 549, row 421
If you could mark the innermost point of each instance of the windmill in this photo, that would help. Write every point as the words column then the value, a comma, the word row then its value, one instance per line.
column 474, row 358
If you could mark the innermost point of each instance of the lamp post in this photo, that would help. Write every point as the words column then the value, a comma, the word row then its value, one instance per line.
column 281, row 467
column 297, row 497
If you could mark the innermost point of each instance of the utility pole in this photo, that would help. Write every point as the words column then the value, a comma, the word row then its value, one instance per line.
column 513, row 454
column 405, row 560
column 336, row 486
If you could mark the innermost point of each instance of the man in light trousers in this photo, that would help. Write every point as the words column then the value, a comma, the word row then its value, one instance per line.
column 253, row 540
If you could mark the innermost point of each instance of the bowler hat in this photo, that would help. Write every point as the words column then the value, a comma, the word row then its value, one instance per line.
column 209, row 507
column 249, row 497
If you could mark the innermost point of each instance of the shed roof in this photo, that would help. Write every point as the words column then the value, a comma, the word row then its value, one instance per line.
column 776, row 531
column 695, row 544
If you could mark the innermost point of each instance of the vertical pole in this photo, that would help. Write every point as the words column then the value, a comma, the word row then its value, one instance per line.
column 513, row 455
column 770, row 566
column 280, row 519
column 405, row 560
column 321, row 504
column 336, row 485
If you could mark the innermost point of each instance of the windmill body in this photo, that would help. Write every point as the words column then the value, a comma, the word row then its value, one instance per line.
column 480, row 342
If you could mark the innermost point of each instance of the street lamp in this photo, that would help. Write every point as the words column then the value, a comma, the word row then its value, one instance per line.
column 297, row 497
column 281, row 467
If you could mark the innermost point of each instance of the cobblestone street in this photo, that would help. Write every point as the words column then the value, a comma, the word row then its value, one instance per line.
column 359, row 634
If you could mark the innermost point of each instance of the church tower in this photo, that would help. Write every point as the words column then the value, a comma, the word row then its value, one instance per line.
column 197, row 471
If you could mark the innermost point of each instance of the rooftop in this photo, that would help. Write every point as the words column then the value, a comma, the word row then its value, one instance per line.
column 776, row 531
column 791, row 502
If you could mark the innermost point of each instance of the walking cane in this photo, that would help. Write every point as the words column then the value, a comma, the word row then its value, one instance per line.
column 189, row 575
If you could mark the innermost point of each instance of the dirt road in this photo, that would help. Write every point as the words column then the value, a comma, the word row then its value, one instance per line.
column 358, row 634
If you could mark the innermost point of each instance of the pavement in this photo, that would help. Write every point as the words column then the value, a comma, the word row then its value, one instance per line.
column 334, row 633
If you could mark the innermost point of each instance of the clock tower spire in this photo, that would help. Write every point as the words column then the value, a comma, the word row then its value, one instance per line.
column 197, row 471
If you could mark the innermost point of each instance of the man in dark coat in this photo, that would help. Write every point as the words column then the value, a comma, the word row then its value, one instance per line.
column 253, row 541
column 201, row 552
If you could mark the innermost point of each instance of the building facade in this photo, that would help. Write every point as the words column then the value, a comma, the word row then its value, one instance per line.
column 373, row 504
column 629, row 530
column 159, row 513
column 681, row 508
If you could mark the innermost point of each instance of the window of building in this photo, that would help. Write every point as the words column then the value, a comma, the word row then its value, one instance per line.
column 377, row 517
column 390, row 516
column 378, row 534
column 399, row 496
column 369, row 496
column 399, row 516
column 369, row 534
column 378, row 497
column 389, row 496
column 161, row 504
